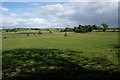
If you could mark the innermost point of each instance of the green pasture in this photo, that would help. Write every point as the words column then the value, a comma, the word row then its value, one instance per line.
column 100, row 44
column 53, row 56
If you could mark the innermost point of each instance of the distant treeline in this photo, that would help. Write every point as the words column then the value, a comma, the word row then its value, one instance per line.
column 25, row 29
column 79, row 29
column 89, row 28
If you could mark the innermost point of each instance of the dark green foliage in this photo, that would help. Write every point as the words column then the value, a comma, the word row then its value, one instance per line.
column 5, row 37
column 35, row 29
column 61, row 30
column 99, row 28
column 55, row 64
column 95, row 27
column 81, row 29
column 45, row 29
column 65, row 34
column 86, row 28
column 39, row 32
column 28, row 34
column 74, row 29
column 105, row 26
column 68, row 30
column 50, row 31
column 77, row 30
column 11, row 30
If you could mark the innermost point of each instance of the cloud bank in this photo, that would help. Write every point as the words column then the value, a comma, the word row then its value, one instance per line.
column 3, row 9
column 64, row 15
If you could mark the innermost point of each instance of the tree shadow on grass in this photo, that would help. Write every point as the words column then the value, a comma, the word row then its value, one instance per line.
column 48, row 64
column 116, row 48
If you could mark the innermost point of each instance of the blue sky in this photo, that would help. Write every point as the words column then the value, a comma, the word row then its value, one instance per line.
column 16, row 5
column 22, row 7
column 58, row 14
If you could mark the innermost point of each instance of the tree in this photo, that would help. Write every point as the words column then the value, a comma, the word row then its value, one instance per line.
column 74, row 28
column 83, row 29
column 99, row 28
column 77, row 30
column 94, row 27
column 105, row 26
column 79, row 26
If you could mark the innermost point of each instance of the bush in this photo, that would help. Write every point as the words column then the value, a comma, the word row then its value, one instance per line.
column 65, row 34
column 39, row 32
column 5, row 37
column 50, row 31
column 28, row 34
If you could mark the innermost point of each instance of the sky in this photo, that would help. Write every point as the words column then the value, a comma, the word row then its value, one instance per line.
column 57, row 14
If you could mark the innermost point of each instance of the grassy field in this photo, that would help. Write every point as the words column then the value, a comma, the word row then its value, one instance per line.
column 102, row 43
column 84, row 50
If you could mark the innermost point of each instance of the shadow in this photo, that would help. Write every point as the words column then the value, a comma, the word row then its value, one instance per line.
column 48, row 64
column 117, row 46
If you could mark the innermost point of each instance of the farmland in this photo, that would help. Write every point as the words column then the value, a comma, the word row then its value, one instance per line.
column 52, row 54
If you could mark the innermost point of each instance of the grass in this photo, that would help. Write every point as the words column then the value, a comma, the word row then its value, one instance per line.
column 55, row 64
column 101, row 43
column 74, row 41
column 87, row 52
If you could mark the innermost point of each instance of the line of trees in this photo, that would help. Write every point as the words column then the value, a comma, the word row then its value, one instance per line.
column 86, row 28
column 79, row 29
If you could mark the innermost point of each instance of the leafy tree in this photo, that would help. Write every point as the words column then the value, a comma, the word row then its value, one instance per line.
column 83, row 30
column 99, row 28
column 74, row 28
column 105, row 26
column 90, row 29
column 79, row 26
column 94, row 27
column 77, row 30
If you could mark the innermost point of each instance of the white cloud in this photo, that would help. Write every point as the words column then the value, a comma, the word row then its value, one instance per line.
column 22, row 15
column 34, row 22
column 34, row 4
column 13, row 14
column 37, row 20
column 3, row 9
column 81, row 12
column 66, row 15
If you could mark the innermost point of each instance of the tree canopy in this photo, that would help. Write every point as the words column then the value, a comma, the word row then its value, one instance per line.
column 105, row 26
